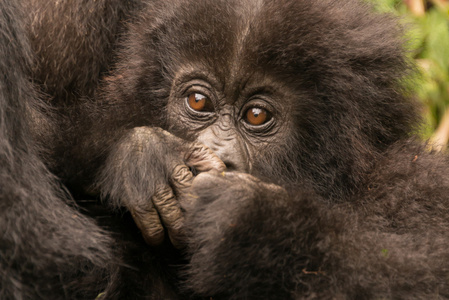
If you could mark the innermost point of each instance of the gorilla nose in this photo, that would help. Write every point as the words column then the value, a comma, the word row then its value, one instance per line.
column 228, row 146
column 231, row 166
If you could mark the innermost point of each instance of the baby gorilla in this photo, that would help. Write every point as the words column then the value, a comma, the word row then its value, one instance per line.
column 324, row 194
column 269, row 140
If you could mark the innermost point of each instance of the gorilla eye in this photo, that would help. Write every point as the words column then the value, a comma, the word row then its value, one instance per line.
column 199, row 102
column 257, row 116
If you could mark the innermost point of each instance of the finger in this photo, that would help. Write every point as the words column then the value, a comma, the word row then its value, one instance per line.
column 250, row 179
column 149, row 224
column 204, row 186
column 181, row 178
column 170, row 212
column 207, row 180
column 203, row 159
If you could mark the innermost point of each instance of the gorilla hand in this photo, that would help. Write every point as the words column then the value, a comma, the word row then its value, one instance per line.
column 229, row 224
column 148, row 173
column 208, row 187
column 227, row 193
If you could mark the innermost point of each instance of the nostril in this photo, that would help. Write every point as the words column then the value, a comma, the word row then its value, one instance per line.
column 194, row 171
column 230, row 166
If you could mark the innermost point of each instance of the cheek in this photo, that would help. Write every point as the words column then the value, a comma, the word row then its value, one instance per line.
column 277, row 159
column 174, row 119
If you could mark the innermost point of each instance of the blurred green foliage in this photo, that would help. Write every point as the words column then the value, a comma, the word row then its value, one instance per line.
column 427, row 24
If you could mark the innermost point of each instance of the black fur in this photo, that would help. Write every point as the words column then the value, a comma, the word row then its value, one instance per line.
column 350, row 206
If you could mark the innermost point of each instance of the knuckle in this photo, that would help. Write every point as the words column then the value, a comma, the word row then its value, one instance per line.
column 181, row 174
column 204, row 180
column 162, row 194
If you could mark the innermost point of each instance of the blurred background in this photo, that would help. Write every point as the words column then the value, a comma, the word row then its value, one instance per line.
column 427, row 24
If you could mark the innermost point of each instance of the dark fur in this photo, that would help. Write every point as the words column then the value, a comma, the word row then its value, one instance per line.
column 364, row 214
column 48, row 249
column 387, row 242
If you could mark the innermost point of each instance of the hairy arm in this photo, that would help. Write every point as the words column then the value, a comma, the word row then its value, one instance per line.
column 258, row 241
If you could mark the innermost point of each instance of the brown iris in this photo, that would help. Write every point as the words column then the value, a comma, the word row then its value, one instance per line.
column 257, row 116
column 199, row 102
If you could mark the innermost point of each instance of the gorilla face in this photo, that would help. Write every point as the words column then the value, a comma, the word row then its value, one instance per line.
column 239, row 123
column 270, row 86
column 249, row 113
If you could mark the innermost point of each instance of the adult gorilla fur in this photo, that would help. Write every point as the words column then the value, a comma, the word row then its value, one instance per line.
column 346, row 205
column 47, row 248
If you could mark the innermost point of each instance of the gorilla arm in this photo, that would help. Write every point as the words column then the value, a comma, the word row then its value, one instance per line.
column 249, row 241
column 258, row 241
